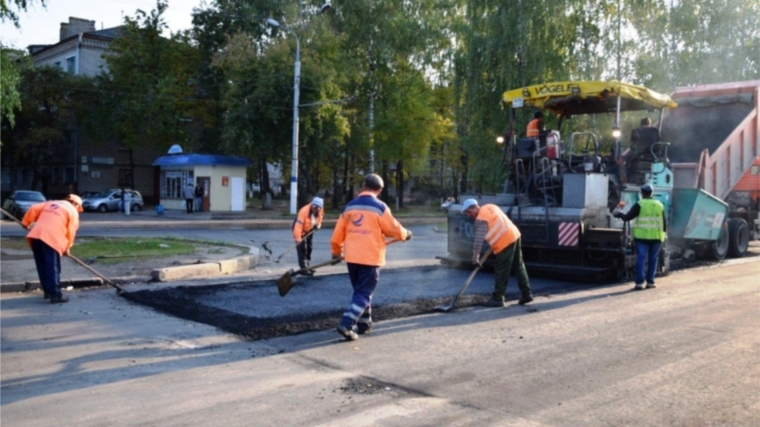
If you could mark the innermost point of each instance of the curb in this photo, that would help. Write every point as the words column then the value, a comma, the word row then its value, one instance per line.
column 206, row 270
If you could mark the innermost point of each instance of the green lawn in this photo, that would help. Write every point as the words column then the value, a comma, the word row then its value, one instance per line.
column 116, row 249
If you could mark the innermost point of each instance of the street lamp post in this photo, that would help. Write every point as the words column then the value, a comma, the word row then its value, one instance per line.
column 296, row 93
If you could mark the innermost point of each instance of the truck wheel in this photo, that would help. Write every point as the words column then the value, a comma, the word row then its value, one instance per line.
column 738, row 237
column 718, row 249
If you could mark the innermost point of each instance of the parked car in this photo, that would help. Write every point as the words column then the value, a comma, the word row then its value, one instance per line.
column 19, row 202
column 110, row 200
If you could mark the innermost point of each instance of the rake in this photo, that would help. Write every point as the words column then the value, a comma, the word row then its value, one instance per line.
column 448, row 307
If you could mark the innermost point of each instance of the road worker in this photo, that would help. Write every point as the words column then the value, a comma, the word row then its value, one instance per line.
column 53, row 226
column 360, row 235
column 309, row 219
column 649, row 232
column 493, row 225
column 535, row 126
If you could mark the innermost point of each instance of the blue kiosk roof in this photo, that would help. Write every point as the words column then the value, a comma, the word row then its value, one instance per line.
column 201, row 159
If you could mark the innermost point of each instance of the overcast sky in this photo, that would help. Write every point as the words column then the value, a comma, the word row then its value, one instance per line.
column 40, row 25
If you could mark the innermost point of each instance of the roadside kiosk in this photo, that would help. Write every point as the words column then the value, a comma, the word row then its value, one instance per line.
column 222, row 178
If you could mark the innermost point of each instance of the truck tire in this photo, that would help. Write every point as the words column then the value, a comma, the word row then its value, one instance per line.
column 738, row 237
column 718, row 249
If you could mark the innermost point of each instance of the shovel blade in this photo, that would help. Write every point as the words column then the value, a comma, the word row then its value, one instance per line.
column 285, row 283
column 444, row 308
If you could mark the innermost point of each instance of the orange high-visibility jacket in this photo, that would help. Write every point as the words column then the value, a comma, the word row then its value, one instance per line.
column 303, row 223
column 362, row 229
column 501, row 231
column 534, row 128
column 55, row 222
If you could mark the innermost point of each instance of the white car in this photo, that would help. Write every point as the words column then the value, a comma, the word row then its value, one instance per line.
column 110, row 200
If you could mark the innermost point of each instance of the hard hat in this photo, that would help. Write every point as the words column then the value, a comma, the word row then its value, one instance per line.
column 468, row 204
column 318, row 202
column 646, row 189
column 76, row 199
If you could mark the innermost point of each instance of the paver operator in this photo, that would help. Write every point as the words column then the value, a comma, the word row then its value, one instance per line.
column 53, row 226
column 309, row 219
column 493, row 225
column 649, row 232
column 360, row 235
column 535, row 126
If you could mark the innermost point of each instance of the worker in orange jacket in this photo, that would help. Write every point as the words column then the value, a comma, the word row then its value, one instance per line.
column 535, row 126
column 53, row 226
column 309, row 218
column 493, row 225
column 359, row 236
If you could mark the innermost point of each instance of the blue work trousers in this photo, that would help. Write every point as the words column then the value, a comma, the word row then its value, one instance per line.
column 364, row 279
column 647, row 251
column 48, row 262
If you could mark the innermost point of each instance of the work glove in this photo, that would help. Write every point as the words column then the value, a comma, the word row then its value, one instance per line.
column 298, row 241
column 318, row 226
column 336, row 259
column 617, row 214
column 476, row 260
column 408, row 235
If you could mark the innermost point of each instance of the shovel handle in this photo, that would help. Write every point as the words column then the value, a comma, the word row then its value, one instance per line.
column 293, row 246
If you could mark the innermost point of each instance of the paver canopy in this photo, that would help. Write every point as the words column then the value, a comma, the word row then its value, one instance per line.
column 586, row 97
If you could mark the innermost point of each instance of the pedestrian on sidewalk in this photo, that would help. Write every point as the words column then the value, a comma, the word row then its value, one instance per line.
column 309, row 217
column 360, row 235
column 493, row 225
column 53, row 227
column 199, row 197
column 127, row 197
column 189, row 195
column 649, row 232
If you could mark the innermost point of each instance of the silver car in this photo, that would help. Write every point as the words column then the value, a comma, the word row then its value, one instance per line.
column 110, row 200
column 20, row 201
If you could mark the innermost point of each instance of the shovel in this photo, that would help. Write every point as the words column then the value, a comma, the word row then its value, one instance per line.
column 119, row 290
column 285, row 283
column 448, row 307
column 277, row 260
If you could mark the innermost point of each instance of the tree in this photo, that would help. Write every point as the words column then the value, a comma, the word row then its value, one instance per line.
column 52, row 104
column 7, row 14
column 10, row 79
column 149, row 85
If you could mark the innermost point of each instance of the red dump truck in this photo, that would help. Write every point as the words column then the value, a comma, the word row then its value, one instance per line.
column 713, row 136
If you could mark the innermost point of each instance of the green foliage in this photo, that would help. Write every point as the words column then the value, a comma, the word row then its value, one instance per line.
column 10, row 79
column 150, row 85
column 6, row 13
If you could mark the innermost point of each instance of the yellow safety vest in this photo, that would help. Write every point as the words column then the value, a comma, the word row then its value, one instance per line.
column 648, row 225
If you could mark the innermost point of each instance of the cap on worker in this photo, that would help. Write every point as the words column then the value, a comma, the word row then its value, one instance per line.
column 468, row 204
column 646, row 189
column 76, row 199
column 318, row 202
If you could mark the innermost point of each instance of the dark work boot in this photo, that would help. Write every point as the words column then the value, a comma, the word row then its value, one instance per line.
column 525, row 299
column 58, row 300
column 493, row 303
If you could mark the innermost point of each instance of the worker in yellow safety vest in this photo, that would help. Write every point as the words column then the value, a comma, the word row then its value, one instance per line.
column 493, row 226
column 649, row 232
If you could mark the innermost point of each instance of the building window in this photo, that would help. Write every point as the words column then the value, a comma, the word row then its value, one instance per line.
column 125, row 177
column 71, row 63
column 754, row 170
column 68, row 175
column 55, row 175
column 172, row 183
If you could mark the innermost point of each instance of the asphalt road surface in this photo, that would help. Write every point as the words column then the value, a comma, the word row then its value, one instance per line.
column 684, row 354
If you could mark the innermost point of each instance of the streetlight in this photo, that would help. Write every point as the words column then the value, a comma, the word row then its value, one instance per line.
column 296, row 91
